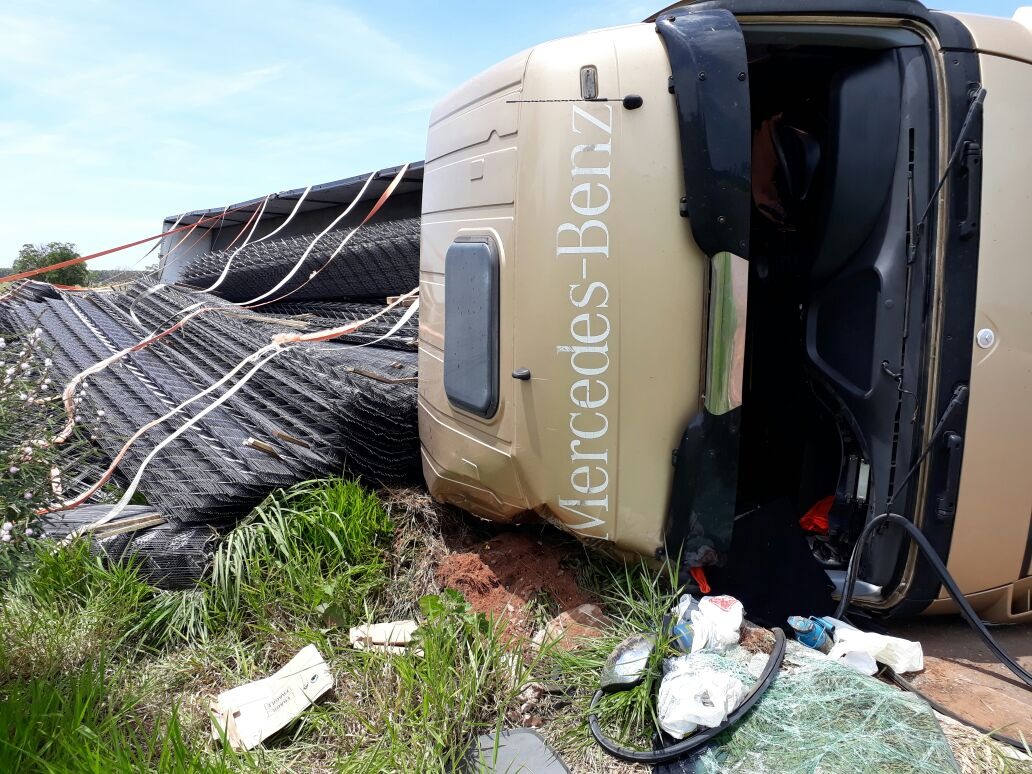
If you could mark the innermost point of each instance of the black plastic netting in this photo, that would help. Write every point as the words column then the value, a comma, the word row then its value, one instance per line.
column 380, row 260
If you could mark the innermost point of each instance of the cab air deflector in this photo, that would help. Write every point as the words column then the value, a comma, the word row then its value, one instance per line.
column 710, row 84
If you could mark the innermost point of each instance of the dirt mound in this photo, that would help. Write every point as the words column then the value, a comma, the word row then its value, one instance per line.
column 501, row 576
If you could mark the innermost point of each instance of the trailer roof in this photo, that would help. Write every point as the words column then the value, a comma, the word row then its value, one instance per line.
column 335, row 194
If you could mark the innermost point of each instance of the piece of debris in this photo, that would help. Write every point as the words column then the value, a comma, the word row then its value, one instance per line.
column 858, row 649
column 626, row 665
column 756, row 639
column 247, row 715
column 391, row 637
column 534, row 699
column 571, row 627
column 895, row 652
column 812, row 632
column 520, row 749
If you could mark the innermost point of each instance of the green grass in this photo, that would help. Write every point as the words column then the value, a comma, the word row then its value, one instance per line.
column 636, row 599
column 84, row 722
column 101, row 672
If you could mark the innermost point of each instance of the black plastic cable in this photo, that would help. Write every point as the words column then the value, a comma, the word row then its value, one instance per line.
column 947, row 580
column 943, row 710
column 696, row 741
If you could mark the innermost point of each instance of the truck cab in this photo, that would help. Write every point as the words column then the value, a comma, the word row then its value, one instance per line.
column 740, row 253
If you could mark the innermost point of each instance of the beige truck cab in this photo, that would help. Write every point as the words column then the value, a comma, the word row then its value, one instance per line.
column 742, row 253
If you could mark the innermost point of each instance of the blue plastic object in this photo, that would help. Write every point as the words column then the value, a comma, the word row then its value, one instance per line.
column 812, row 632
column 683, row 636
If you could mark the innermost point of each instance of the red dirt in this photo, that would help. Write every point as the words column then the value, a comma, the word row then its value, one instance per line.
column 500, row 576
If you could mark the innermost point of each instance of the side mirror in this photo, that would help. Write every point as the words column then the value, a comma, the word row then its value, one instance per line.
column 625, row 667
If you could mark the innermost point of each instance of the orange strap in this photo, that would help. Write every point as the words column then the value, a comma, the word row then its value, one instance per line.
column 699, row 576
column 83, row 258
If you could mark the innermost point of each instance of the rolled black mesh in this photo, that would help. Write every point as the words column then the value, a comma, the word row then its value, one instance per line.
column 380, row 260
column 315, row 409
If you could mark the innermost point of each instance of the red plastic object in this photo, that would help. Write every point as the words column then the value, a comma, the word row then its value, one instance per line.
column 699, row 576
column 816, row 519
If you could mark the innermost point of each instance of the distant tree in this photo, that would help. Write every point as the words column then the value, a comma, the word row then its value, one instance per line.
column 38, row 256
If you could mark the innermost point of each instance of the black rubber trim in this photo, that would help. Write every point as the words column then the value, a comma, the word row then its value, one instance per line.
column 700, row 739
column 960, row 268
column 951, row 33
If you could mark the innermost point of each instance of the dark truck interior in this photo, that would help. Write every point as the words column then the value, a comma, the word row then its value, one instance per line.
column 844, row 146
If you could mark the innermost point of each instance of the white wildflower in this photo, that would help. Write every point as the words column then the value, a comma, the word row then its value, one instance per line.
column 13, row 470
column 5, row 538
column 7, row 526
column 27, row 495
column 29, row 532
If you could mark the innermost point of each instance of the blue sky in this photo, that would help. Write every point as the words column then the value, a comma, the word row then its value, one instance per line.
column 116, row 114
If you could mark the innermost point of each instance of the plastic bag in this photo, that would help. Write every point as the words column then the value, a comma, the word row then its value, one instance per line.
column 682, row 611
column 716, row 624
column 861, row 661
column 902, row 655
column 694, row 694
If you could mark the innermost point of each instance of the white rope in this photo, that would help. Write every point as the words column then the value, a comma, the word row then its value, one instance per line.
column 245, row 243
column 131, row 490
column 290, row 217
column 312, row 245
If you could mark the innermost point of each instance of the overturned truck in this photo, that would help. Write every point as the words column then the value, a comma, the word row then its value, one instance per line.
column 680, row 284
column 741, row 255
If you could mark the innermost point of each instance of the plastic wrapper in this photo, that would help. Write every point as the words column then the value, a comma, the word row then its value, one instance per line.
column 693, row 693
column 717, row 623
